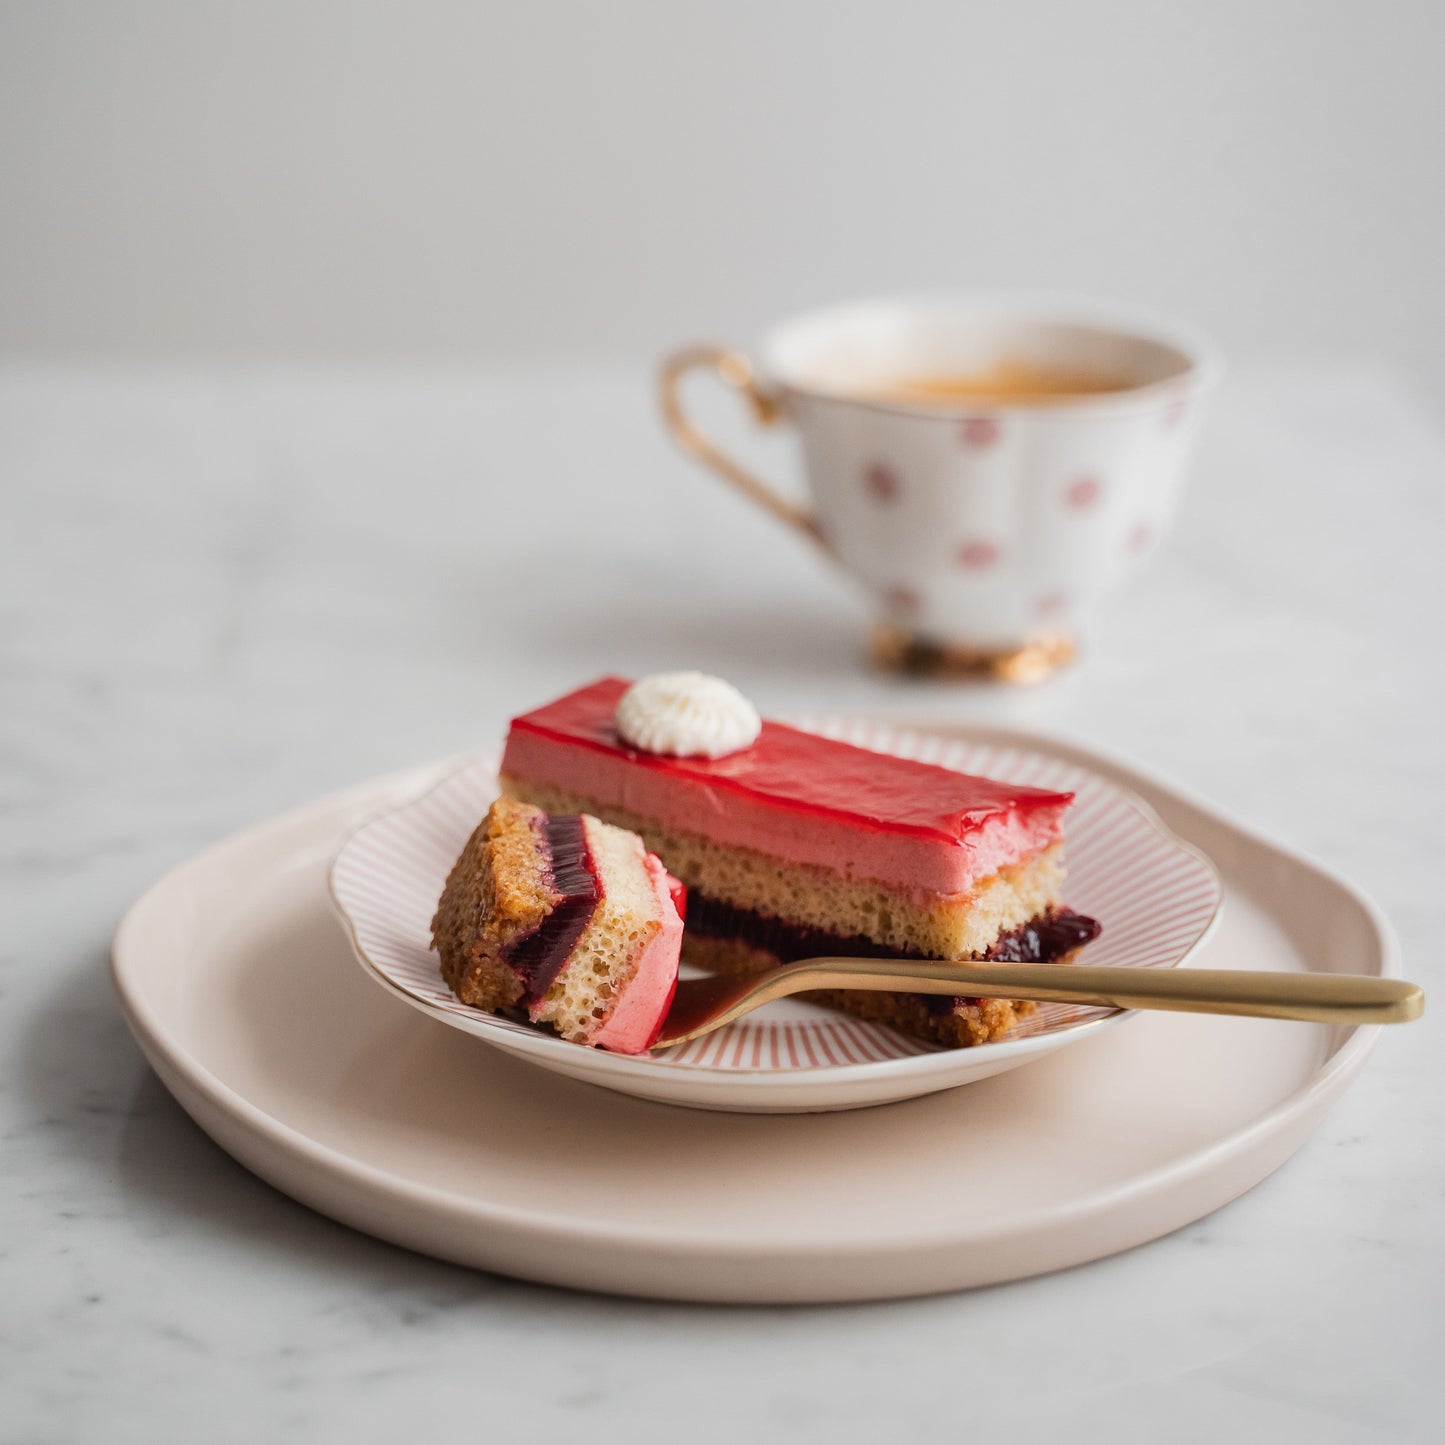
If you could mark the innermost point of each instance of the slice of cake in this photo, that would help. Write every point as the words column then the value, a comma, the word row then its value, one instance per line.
column 793, row 845
column 568, row 916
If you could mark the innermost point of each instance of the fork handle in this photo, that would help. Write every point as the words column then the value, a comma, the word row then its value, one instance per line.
column 1334, row 998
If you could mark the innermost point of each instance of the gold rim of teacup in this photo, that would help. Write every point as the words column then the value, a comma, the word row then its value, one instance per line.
column 910, row 655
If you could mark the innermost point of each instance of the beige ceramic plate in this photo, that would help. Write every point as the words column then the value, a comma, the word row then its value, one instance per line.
column 1157, row 898
column 239, row 984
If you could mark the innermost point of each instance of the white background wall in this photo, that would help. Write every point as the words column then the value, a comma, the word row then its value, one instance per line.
column 316, row 179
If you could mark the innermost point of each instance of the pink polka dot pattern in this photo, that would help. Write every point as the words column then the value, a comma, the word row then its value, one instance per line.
column 1140, row 536
column 1051, row 604
column 977, row 555
column 903, row 599
column 980, row 432
column 1084, row 492
column 1175, row 412
column 883, row 484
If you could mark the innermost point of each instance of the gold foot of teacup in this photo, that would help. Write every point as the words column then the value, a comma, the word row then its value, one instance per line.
column 897, row 651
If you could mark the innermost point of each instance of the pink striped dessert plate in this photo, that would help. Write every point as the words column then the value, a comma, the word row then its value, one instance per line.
column 1157, row 897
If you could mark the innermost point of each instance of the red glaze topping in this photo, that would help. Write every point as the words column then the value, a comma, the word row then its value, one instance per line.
column 800, row 771
column 677, row 891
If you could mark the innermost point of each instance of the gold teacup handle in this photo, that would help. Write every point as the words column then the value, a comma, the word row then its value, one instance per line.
column 737, row 371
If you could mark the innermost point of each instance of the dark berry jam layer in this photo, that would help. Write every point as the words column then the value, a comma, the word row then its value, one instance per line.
column 1045, row 938
column 1041, row 940
column 538, row 957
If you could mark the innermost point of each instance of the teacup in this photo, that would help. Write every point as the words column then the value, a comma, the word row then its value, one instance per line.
column 987, row 468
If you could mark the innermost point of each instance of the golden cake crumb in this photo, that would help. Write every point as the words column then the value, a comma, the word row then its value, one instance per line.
column 495, row 894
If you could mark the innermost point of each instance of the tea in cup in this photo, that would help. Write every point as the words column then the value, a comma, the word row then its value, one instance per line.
column 986, row 468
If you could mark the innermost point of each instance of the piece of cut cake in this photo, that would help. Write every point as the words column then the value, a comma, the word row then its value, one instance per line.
column 794, row 845
column 568, row 916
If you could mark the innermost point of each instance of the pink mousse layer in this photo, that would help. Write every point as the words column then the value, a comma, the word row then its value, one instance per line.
column 637, row 1017
column 912, row 826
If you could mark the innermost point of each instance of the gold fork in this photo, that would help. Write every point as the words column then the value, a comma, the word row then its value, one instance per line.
column 704, row 1004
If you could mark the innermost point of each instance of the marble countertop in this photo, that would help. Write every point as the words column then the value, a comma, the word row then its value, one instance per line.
column 227, row 592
